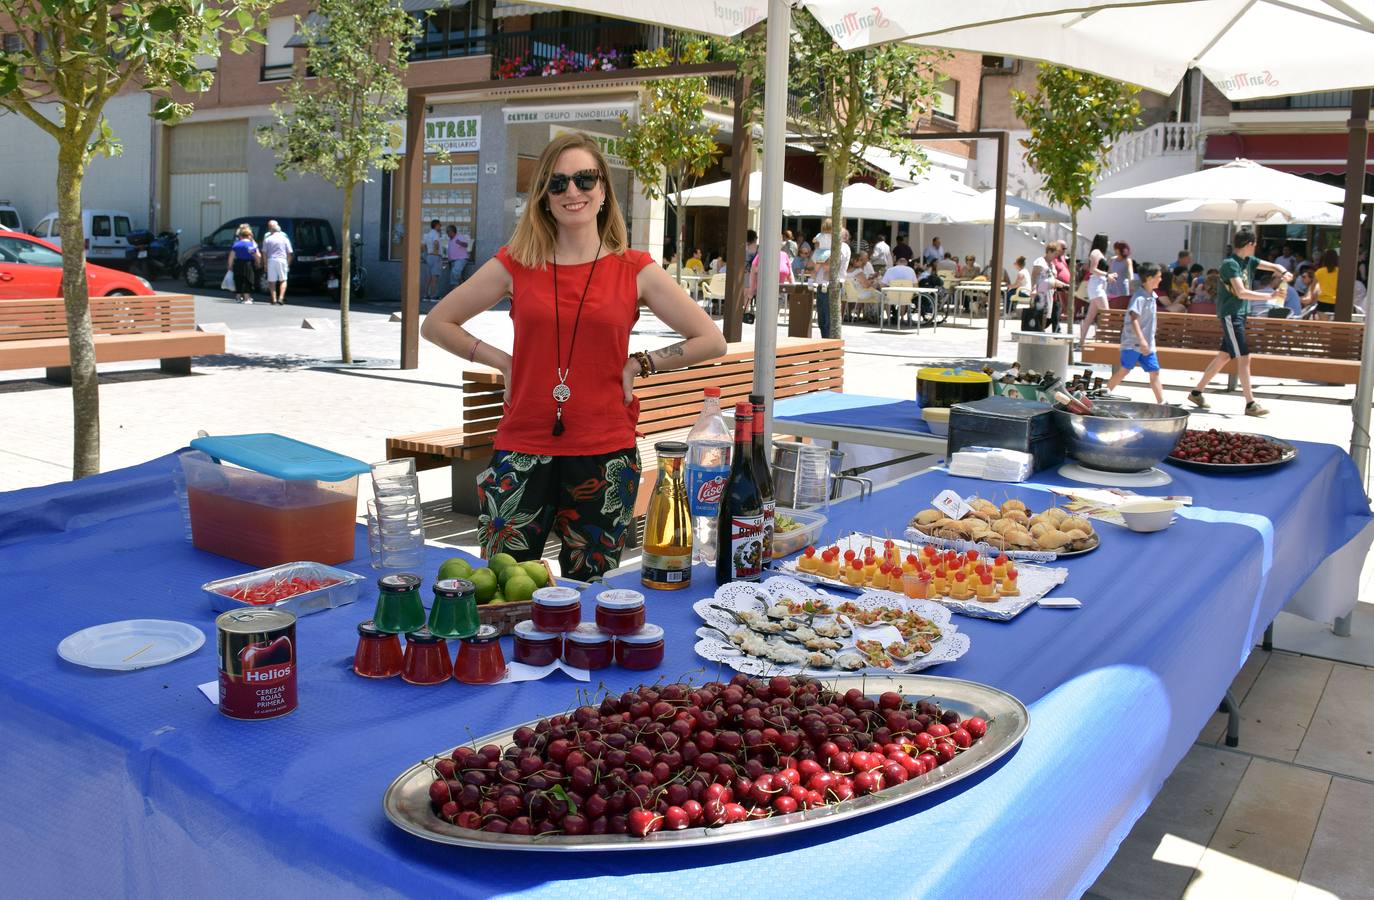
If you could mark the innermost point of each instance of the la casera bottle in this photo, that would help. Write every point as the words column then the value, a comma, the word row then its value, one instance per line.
column 764, row 474
column 739, row 530
column 667, row 561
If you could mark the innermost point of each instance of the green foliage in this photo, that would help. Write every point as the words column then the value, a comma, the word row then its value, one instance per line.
column 848, row 101
column 1073, row 118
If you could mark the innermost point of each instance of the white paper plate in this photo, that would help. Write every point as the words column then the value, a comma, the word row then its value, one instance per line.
column 131, row 644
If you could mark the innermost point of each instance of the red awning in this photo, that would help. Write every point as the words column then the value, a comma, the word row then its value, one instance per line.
column 1302, row 154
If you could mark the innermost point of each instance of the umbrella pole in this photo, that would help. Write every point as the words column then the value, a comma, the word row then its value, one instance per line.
column 770, row 206
column 1359, row 437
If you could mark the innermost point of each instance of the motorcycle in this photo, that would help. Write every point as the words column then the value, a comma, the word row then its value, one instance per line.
column 356, row 281
column 154, row 256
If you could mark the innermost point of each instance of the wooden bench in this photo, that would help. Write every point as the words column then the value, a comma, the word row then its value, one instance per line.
column 1284, row 348
column 33, row 333
column 669, row 404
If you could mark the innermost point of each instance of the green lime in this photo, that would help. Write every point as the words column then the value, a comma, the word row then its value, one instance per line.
column 508, row 573
column 457, row 567
column 485, row 582
column 538, row 574
column 519, row 589
column 501, row 561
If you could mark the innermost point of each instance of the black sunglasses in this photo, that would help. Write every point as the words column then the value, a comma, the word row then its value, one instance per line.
column 585, row 180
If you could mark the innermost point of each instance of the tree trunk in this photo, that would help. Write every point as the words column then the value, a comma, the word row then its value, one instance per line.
column 839, row 168
column 71, row 165
column 346, row 274
column 681, row 218
column 1073, row 268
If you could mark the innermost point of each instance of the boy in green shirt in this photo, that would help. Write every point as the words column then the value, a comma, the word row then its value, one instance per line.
column 1233, row 303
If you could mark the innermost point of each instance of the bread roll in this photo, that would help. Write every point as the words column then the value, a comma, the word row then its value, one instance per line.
column 1053, row 540
column 1078, row 523
column 1016, row 505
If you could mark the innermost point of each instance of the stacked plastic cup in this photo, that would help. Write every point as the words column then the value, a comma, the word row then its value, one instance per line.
column 395, row 529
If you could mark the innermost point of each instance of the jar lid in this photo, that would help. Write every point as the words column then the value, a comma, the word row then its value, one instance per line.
column 556, row 596
column 620, row 598
column 399, row 584
column 485, row 634
column 454, row 587
column 369, row 629
column 422, row 635
column 525, row 629
column 670, row 448
column 587, row 633
column 249, row 621
column 649, row 634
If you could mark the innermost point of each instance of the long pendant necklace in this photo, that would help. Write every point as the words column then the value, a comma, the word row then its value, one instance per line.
column 561, row 391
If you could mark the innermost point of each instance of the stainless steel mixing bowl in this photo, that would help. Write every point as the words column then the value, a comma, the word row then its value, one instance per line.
column 1122, row 445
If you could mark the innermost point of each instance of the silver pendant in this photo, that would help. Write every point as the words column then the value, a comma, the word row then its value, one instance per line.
column 561, row 392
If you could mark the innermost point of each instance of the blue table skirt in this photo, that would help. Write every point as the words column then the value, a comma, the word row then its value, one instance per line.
column 854, row 411
column 132, row 783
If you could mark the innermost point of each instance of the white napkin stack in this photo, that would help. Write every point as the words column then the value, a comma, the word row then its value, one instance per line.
column 991, row 464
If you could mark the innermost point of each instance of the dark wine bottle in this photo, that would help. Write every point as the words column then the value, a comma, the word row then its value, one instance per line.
column 739, row 530
column 763, row 473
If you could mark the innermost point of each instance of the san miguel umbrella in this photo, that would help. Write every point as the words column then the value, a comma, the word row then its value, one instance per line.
column 1264, row 212
column 1239, row 181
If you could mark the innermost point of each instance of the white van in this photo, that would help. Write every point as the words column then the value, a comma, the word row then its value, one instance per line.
column 9, row 216
column 107, row 233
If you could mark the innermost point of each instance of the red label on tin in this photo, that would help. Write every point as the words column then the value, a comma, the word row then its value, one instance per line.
column 262, row 684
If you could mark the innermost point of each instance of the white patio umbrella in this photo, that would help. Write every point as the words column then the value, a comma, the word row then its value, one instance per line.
column 1263, row 212
column 796, row 200
column 1239, row 181
column 864, row 201
column 1028, row 211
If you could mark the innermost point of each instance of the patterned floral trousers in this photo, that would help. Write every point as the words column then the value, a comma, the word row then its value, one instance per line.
column 588, row 501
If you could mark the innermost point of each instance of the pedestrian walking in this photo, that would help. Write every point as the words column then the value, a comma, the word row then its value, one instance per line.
column 276, row 247
column 434, row 246
column 244, row 259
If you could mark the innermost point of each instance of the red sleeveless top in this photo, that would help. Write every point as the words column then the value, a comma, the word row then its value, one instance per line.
column 595, row 417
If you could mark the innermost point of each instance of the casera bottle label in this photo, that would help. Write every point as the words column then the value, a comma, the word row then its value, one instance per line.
column 666, row 568
column 746, row 548
column 705, row 486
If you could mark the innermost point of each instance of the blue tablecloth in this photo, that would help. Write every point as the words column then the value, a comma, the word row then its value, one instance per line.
column 132, row 783
column 854, row 411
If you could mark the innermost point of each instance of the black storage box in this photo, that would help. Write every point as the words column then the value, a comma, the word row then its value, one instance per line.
column 1009, row 423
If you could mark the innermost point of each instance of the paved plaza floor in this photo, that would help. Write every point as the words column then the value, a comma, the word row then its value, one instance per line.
column 1287, row 814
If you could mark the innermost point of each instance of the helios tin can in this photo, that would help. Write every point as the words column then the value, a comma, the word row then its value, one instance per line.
column 257, row 663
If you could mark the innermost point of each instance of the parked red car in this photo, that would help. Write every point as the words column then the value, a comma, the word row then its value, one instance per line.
column 32, row 268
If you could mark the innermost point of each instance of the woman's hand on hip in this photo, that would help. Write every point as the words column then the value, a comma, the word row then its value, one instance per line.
column 628, row 372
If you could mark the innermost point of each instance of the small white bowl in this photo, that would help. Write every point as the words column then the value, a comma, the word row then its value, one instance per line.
column 937, row 417
column 1148, row 515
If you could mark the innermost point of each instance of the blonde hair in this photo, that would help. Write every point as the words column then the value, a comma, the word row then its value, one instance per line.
column 532, row 243
column 244, row 231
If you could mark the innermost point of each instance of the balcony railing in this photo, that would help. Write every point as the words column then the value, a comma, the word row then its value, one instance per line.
column 1323, row 100
column 573, row 48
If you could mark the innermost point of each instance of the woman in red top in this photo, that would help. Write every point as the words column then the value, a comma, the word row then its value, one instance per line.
column 565, row 456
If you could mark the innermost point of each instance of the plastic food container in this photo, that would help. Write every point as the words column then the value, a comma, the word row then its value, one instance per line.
column 588, row 647
column 264, row 499
column 785, row 543
column 1148, row 515
column 536, row 648
column 556, row 609
column 641, row 650
column 620, row 611
column 343, row 591
column 937, row 419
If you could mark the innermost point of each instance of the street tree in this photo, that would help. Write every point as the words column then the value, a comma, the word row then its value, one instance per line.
column 71, row 58
column 671, row 144
column 1073, row 118
column 846, row 102
column 337, row 114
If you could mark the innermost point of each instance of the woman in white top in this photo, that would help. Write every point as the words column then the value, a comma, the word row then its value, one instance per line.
column 822, row 241
column 1020, row 287
column 1098, row 278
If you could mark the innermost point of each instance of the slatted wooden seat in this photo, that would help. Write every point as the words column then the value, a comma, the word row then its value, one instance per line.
column 669, row 402
column 33, row 333
column 1284, row 348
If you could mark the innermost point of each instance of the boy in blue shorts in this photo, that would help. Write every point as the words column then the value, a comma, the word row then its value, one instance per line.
column 1138, row 332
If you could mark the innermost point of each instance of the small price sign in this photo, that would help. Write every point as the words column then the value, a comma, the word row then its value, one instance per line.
column 951, row 504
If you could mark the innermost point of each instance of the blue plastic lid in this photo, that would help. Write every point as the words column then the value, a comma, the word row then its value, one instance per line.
column 281, row 457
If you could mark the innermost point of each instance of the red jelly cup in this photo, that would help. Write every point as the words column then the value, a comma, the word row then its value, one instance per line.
column 480, row 660
column 426, row 660
column 378, row 654
column 641, row 650
column 534, row 647
column 556, row 609
column 620, row 611
column 588, row 647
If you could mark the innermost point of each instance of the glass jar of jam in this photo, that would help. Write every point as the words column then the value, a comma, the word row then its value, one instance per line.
column 379, row 654
column 588, row 647
column 426, row 660
column 556, row 609
column 480, row 660
column 534, row 647
column 399, row 607
column 641, row 650
column 620, row 611
column 454, row 613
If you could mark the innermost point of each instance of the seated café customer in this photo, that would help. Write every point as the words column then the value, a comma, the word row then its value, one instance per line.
column 903, row 272
column 803, row 267
column 865, row 281
column 1020, row 287
column 694, row 263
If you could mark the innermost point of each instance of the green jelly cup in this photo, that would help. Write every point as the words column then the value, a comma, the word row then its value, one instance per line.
column 454, row 612
column 399, row 608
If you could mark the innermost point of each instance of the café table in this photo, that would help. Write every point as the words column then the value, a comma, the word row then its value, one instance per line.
column 132, row 783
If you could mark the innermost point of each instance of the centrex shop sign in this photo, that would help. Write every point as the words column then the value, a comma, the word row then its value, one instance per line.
column 599, row 112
